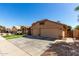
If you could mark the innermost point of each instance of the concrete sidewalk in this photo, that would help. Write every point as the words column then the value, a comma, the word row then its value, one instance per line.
column 8, row 49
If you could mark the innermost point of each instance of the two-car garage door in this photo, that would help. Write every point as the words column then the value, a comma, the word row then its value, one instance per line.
column 53, row 33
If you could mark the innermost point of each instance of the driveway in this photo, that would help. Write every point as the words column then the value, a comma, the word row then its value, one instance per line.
column 9, row 49
column 34, row 47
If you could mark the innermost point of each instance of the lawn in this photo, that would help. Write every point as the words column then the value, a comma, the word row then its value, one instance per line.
column 12, row 36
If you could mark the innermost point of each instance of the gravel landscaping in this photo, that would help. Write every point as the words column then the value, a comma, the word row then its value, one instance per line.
column 63, row 49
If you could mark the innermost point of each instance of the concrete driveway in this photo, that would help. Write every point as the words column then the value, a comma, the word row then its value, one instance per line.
column 34, row 47
column 9, row 49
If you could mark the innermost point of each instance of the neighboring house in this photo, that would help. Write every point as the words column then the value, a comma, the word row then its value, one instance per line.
column 19, row 29
column 8, row 30
column 47, row 28
column 24, row 29
column 76, row 33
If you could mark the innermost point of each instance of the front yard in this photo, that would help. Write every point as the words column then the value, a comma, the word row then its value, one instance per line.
column 36, row 47
column 12, row 36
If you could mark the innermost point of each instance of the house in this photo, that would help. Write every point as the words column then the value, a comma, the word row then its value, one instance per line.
column 20, row 29
column 24, row 29
column 47, row 28
column 76, row 33
column 8, row 30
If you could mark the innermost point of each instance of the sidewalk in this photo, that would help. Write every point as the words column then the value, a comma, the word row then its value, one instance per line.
column 8, row 49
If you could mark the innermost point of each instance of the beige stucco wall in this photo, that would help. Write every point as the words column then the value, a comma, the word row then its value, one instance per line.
column 35, row 30
column 76, row 33
column 49, row 29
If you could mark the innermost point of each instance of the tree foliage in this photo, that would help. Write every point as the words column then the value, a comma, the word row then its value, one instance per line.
column 77, row 27
column 23, row 28
column 77, row 8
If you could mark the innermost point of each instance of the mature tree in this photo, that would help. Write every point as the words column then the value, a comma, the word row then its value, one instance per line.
column 23, row 28
column 77, row 8
column 14, row 30
column 2, row 29
column 77, row 27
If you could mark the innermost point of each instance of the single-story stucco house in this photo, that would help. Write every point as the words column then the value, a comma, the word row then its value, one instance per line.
column 48, row 28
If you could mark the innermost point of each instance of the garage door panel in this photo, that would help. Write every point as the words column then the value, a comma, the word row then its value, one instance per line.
column 54, row 33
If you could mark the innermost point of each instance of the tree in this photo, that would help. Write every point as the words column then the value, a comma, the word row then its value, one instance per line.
column 14, row 30
column 2, row 29
column 77, row 8
column 23, row 28
column 77, row 27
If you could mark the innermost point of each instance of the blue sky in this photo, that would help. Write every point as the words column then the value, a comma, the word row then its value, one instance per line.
column 26, row 14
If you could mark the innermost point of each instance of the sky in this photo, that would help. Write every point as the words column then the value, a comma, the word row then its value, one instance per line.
column 16, row 14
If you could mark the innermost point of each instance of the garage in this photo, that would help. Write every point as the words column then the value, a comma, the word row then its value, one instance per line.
column 53, row 33
column 47, row 28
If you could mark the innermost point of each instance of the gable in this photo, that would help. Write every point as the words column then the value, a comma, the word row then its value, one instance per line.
column 48, row 24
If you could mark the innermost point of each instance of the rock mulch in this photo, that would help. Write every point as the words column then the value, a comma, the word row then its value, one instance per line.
column 62, row 49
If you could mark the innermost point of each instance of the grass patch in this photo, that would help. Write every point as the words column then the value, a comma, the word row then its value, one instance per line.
column 12, row 36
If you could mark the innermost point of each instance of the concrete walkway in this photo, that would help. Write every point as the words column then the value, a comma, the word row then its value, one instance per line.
column 8, row 49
